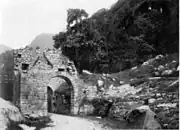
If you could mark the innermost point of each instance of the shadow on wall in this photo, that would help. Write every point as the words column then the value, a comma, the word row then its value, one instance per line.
column 6, row 87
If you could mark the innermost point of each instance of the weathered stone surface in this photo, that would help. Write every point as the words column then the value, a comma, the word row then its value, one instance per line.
column 8, row 113
column 167, row 73
column 39, row 69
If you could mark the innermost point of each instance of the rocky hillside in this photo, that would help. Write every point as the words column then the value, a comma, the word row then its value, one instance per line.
column 156, row 80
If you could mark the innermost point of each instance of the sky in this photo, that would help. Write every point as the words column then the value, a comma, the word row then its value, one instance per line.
column 22, row 20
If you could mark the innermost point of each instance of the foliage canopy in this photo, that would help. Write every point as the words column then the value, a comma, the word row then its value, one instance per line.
column 123, row 36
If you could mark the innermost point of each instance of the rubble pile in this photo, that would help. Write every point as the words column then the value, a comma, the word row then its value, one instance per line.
column 156, row 80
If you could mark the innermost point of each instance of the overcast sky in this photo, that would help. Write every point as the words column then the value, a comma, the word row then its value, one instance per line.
column 22, row 20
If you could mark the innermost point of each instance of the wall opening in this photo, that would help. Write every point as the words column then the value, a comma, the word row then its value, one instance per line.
column 60, row 95
column 25, row 66
column 19, row 55
column 61, row 69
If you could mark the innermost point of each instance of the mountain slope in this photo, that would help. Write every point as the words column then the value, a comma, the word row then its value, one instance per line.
column 4, row 48
column 43, row 41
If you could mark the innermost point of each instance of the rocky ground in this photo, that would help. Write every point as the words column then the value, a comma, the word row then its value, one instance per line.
column 156, row 79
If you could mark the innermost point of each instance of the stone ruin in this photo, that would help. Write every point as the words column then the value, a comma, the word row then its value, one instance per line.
column 45, row 82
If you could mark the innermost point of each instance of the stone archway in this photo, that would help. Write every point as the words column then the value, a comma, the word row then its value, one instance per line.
column 60, row 95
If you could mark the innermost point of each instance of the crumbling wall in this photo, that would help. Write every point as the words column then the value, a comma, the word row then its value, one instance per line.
column 35, row 72
column 23, row 56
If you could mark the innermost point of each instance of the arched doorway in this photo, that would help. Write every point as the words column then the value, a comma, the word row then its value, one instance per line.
column 60, row 95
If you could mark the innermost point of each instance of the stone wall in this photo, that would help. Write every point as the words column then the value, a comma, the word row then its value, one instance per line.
column 16, row 88
column 23, row 56
column 34, row 93
column 33, row 74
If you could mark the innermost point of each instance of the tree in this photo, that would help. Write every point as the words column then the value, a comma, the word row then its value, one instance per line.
column 60, row 39
column 127, row 32
column 75, row 15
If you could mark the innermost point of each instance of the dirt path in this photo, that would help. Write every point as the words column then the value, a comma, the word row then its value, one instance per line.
column 62, row 122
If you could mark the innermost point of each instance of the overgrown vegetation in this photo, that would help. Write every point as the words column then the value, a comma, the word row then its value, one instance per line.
column 121, row 37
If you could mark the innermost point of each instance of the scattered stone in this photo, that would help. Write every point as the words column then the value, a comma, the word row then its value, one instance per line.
column 174, row 84
column 159, row 57
column 102, row 89
column 152, row 100
column 87, row 72
column 161, row 68
column 172, row 105
column 178, row 68
column 133, row 68
column 113, row 79
column 174, row 61
column 158, row 94
column 160, row 99
column 132, row 79
column 111, row 87
column 100, row 83
column 156, row 74
column 121, row 82
column 145, row 63
column 167, row 73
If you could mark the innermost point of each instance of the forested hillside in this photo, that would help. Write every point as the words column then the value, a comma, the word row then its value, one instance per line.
column 125, row 35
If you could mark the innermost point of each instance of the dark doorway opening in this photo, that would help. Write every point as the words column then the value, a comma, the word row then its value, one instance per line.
column 50, row 97
column 60, row 95
column 62, row 103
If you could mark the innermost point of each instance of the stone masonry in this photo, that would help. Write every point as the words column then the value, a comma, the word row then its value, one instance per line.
column 33, row 72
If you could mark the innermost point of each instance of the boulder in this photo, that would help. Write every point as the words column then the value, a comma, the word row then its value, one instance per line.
column 143, row 116
column 9, row 114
